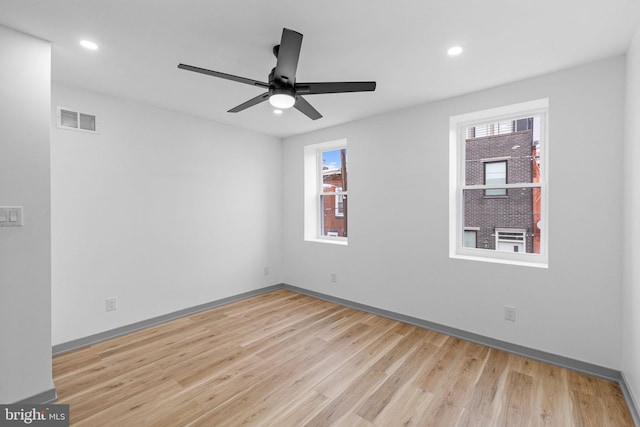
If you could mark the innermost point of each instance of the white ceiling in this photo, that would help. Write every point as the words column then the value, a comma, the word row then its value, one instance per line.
column 401, row 45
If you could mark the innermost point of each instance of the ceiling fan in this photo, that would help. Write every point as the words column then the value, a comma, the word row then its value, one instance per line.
column 282, row 90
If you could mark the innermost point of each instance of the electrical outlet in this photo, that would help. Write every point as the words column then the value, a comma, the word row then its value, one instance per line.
column 112, row 304
column 509, row 313
column 334, row 277
column 266, row 271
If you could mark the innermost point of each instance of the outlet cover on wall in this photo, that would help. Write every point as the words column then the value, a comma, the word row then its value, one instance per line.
column 510, row 313
column 112, row 304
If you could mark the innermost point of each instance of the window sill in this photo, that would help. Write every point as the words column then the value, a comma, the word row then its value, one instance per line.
column 542, row 263
column 339, row 242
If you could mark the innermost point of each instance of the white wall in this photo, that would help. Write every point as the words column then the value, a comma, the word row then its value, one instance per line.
column 397, row 257
column 631, row 214
column 25, row 252
column 162, row 210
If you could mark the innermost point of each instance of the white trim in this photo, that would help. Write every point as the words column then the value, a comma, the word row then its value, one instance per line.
column 457, row 138
column 504, row 258
column 495, row 159
column 328, row 239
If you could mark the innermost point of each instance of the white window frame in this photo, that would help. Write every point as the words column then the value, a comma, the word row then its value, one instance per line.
column 457, row 138
column 313, row 191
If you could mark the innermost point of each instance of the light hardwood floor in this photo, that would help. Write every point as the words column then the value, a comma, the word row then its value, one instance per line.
column 285, row 359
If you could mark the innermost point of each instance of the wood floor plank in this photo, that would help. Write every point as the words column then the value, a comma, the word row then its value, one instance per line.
column 378, row 400
column 444, row 360
column 284, row 359
column 453, row 394
column 406, row 408
column 483, row 404
column 299, row 411
column 518, row 394
column 353, row 420
column 341, row 369
column 553, row 396
column 614, row 408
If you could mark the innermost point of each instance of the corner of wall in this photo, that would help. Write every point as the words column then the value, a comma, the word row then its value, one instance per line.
column 25, row 251
column 631, row 209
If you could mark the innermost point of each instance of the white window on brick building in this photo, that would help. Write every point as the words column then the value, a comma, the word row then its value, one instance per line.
column 495, row 173
column 470, row 238
column 498, row 185
column 339, row 202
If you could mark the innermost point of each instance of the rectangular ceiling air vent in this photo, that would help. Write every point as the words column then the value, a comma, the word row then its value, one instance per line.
column 69, row 119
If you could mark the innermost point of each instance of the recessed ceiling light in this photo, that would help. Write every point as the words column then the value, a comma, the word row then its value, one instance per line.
column 88, row 45
column 277, row 111
column 454, row 51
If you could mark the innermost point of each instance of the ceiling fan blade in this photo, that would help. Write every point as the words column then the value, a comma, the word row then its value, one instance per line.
column 288, row 54
column 250, row 103
column 334, row 87
column 223, row 75
column 307, row 109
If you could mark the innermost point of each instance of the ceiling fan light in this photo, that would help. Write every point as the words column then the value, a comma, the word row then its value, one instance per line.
column 282, row 100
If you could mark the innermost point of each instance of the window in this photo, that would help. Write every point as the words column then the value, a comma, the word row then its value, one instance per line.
column 498, row 185
column 470, row 238
column 340, row 198
column 495, row 173
column 326, row 192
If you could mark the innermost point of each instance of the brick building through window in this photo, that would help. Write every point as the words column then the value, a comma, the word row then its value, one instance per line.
column 334, row 190
column 503, row 219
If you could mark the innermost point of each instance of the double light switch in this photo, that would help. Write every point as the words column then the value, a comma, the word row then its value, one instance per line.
column 11, row 216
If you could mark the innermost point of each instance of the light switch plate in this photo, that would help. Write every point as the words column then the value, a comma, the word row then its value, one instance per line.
column 11, row 216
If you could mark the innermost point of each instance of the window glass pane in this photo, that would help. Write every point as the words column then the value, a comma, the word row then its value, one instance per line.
column 516, row 141
column 495, row 173
column 469, row 238
column 334, row 170
column 333, row 216
column 510, row 224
